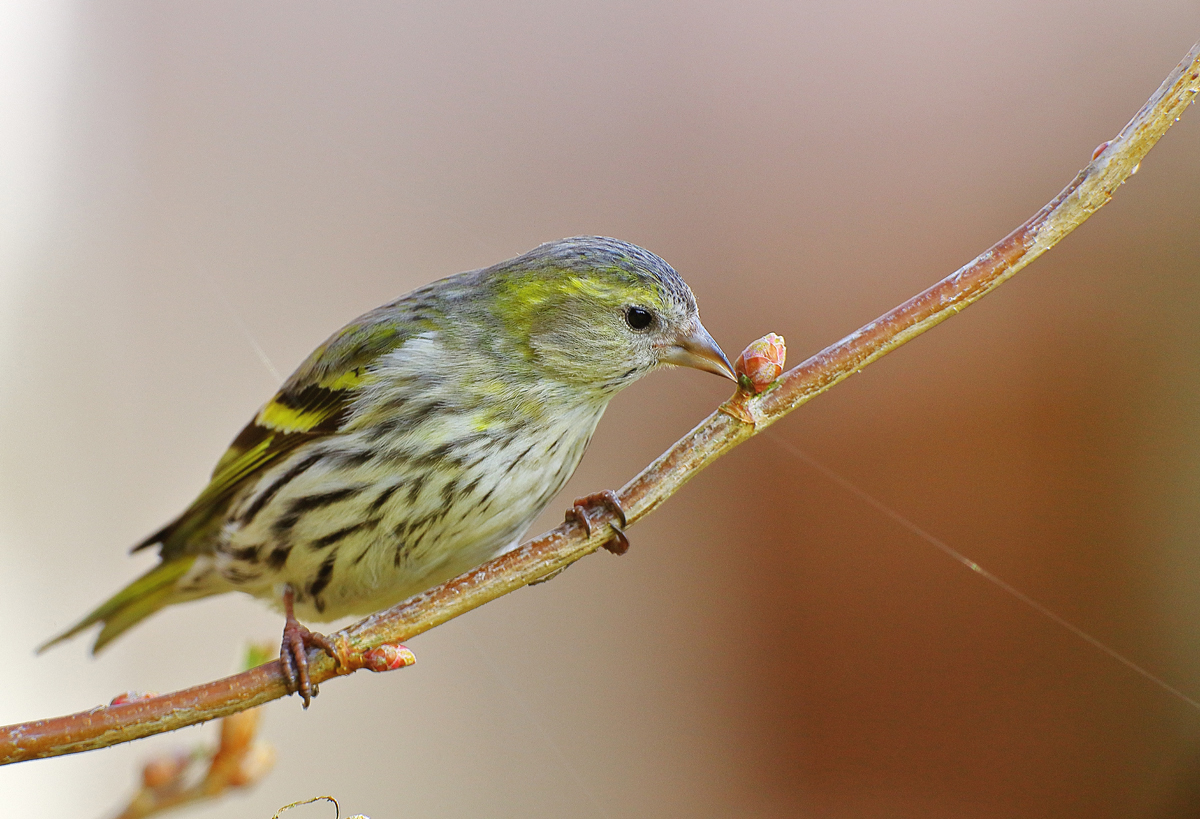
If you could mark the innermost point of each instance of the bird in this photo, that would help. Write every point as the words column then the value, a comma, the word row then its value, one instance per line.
column 421, row 440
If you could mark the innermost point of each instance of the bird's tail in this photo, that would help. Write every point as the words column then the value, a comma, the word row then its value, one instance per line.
column 138, row 600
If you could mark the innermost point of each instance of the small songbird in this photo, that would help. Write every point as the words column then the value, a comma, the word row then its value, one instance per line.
column 421, row 439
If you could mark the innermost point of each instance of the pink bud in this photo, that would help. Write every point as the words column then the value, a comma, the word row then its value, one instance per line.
column 164, row 772
column 388, row 657
column 131, row 696
column 761, row 363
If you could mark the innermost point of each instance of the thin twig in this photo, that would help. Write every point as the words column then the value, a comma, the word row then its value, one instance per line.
column 736, row 420
column 240, row 760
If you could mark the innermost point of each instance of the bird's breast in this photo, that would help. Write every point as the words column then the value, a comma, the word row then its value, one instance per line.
column 384, row 512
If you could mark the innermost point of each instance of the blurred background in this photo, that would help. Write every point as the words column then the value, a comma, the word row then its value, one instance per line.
column 193, row 195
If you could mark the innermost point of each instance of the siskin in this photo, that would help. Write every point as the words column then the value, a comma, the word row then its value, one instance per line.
column 420, row 440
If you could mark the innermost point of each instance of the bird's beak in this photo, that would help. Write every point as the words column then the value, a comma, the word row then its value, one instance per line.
column 697, row 349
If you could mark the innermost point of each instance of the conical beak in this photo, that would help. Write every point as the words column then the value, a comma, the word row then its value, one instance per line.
column 697, row 349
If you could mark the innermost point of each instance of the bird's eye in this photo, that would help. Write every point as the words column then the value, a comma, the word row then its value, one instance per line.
column 638, row 318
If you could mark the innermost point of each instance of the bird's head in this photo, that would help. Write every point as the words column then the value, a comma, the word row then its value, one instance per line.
column 601, row 313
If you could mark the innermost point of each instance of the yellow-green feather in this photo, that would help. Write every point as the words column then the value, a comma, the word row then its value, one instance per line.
column 298, row 413
column 138, row 600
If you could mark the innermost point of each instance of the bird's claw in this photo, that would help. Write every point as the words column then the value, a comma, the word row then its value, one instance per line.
column 293, row 652
column 578, row 513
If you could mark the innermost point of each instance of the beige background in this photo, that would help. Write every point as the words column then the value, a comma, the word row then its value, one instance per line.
column 182, row 182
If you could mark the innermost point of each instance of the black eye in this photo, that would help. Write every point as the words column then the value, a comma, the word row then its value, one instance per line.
column 638, row 318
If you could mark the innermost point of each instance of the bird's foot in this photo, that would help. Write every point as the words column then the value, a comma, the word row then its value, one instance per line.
column 293, row 652
column 578, row 513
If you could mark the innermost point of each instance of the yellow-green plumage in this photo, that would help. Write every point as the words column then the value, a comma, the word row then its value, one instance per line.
column 138, row 600
column 424, row 437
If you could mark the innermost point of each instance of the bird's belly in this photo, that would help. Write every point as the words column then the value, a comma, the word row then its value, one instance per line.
column 352, row 535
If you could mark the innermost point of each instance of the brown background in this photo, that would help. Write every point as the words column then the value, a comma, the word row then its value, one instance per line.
column 184, row 181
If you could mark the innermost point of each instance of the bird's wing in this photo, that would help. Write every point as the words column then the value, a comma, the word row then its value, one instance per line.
column 314, row 403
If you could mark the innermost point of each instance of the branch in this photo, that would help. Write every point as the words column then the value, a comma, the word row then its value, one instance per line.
column 735, row 421
column 170, row 781
column 174, row 779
